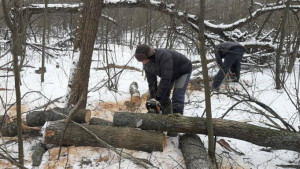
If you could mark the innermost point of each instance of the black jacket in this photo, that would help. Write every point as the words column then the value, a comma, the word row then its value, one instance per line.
column 222, row 49
column 169, row 65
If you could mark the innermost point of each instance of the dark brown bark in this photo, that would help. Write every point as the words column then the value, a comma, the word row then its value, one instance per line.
column 85, row 39
column 118, row 137
column 226, row 128
column 38, row 118
column 194, row 152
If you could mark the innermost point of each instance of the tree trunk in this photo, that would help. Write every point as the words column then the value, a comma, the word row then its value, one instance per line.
column 279, row 50
column 9, row 129
column 98, row 121
column 210, row 131
column 86, row 36
column 294, row 53
column 44, row 41
column 225, row 128
column 17, row 25
column 194, row 152
column 38, row 118
column 37, row 155
column 118, row 137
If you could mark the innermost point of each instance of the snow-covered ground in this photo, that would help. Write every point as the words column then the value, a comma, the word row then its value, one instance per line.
column 103, row 102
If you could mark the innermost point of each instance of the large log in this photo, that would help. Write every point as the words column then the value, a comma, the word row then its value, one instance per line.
column 38, row 118
column 261, row 136
column 37, row 154
column 194, row 152
column 9, row 129
column 98, row 121
column 119, row 137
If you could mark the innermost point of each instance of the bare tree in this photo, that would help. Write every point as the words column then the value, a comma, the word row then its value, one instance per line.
column 279, row 50
column 210, row 131
column 294, row 52
column 17, row 27
column 85, row 39
column 44, row 40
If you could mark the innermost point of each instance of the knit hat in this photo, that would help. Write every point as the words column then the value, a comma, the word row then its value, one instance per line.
column 141, row 52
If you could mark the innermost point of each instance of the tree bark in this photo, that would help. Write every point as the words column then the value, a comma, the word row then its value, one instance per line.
column 44, row 41
column 37, row 155
column 39, row 118
column 9, row 129
column 294, row 53
column 226, row 128
column 85, row 39
column 17, row 24
column 98, row 121
column 194, row 152
column 119, row 137
column 279, row 50
column 210, row 131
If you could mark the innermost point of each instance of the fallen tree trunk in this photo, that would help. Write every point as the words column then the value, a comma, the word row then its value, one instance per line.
column 194, row 153
column 119, row 137
column 38, row 118
column 9, row 129
column 4, row 119
column 37, row 154
column 98, row 121
column 226, row 128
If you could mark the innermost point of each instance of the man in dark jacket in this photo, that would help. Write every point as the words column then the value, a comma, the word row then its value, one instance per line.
column 232, row 53
column 173, row 68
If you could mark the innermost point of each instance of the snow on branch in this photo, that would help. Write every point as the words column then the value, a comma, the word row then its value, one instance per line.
column 168, row 9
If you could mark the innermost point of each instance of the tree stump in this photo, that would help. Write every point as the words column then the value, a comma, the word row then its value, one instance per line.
column 119, row 137
column 135, row 99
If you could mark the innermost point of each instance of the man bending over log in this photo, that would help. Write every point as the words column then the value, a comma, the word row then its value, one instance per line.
column 173, row 68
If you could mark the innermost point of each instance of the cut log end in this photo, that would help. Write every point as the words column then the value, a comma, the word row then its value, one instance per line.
column 87, row 116
column 49, row 133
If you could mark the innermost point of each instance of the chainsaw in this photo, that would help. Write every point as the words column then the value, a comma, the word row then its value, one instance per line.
column 153, row 106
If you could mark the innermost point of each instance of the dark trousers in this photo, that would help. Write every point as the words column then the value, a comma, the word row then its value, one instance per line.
column 177, row 105
column 232, row 62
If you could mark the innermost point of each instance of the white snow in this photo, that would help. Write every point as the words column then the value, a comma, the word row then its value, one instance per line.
column 261, row 87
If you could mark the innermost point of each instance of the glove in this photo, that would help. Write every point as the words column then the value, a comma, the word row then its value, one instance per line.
column 153, row 105
column 157, row 98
